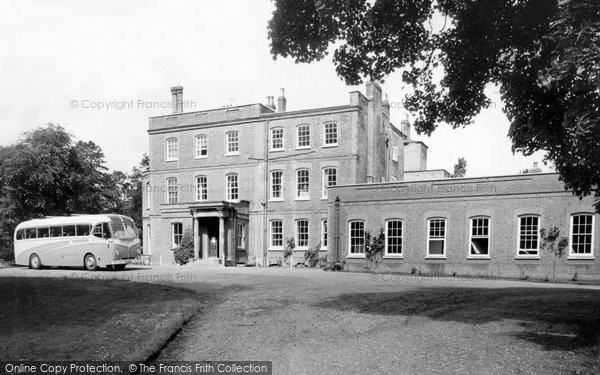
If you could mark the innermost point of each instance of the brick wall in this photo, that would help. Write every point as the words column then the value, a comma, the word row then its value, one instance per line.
column 501, row 199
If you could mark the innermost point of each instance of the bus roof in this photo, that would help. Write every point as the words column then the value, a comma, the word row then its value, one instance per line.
column 74, row 219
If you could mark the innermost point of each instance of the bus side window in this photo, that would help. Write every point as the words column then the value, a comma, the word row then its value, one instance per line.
column 31, row 233
column 55, row 231
column 83, row 230
column 68, row 230
column 42, row 232
column 98, row 230
column 105, row 230
column 21, row 234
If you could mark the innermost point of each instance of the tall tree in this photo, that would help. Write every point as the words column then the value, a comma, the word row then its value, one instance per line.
column 544, row 55
column 460, row 168
column 47, row 173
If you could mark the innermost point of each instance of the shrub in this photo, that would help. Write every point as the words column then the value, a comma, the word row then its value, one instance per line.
column 374, row 246
column 311, row 256
column 185, row 251
column 333, row 266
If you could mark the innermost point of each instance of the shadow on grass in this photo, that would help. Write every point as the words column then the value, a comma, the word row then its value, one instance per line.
column 557, row 319
column 78, row 319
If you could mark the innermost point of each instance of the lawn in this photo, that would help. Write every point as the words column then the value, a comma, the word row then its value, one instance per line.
column 43, row 318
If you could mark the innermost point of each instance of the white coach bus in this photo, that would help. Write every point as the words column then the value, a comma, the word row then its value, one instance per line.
column 88, row 241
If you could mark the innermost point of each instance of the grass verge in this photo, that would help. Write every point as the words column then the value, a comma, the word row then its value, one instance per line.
column 65, row 319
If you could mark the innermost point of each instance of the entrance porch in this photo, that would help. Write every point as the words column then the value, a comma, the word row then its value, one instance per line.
column 221, row 232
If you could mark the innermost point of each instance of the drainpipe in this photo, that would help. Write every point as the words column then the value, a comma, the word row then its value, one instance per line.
column 337, row 229
column 266, row 197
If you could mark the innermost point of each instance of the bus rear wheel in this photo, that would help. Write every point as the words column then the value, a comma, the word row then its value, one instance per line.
column 35, row 262
column 89, row 262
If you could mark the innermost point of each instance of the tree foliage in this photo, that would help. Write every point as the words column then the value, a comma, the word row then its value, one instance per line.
column 48, row 173
column 544, row 55
column 460, row 168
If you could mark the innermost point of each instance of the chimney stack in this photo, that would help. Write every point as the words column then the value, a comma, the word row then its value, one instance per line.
column 177, row 99
column 281, row 101
column 270, row 102
column 405, row 126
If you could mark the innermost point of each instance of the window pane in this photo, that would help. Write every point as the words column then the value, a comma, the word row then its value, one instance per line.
column 201, row 188
column 357, row 237
column 302, row 183
column 276, row 233
column 436, row 247
column 43, row 232
column 324, row 232
column 172, row 190
column 30, row 233
column 331, row 136
column 232, row 187
column 329, row 179
column 394, row 237
column 303, row 136
column 277, row 139
column 83, row 229
column 302, row 233
column 480, row 236
column 201, row 145
column 437, row 236
column 528, row 235
column 232, row 142
column 276, row 182
column 172, row 149
column 68, row 230
column 581, row 238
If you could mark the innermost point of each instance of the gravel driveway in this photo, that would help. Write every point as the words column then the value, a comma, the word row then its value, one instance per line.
column 314, row 322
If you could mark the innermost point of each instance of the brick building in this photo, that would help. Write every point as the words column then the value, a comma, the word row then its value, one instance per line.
column 490, row 227
column 244, row 179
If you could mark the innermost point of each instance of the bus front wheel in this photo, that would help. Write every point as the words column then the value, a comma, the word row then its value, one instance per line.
column 35, row 262
column 90, row 263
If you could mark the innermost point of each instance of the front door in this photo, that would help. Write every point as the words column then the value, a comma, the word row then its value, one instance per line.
column 213, row 248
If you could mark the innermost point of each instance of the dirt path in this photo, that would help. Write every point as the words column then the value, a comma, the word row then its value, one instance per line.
column 315, row 322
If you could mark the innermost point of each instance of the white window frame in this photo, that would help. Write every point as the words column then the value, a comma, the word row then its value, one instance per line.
column 172, row 149
column 429, row 238
column 201, row 188
column 350, row 238
column 230, row 189
column 573, row 255
column 176, row 191
column 272, row 233
column 232, row 146
column 539, row 226
column 174, row 243
column 147, row 244
column 148, row 195
column 304, row 195
column 273, row 130
column 325, row 179
column 201, row 145
column 302, row 126
column 324, row 234
column 271, row 190
column 297, row 234
column 337, row 135
column 387, row 253
column 241, row 241
column 489, row 239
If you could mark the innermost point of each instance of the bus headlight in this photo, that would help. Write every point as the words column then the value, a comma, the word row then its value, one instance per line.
column 117, row 253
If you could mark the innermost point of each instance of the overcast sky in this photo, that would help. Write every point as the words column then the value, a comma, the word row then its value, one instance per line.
column 59, row 56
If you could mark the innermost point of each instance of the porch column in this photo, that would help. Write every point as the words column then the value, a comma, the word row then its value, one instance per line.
column 204, row 232
column 196, row 238
column 230, row 245
column 222, row 238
